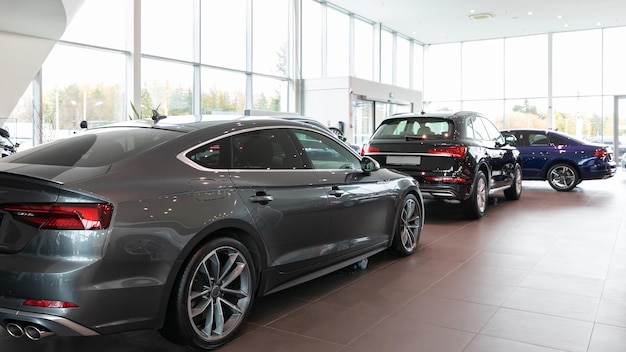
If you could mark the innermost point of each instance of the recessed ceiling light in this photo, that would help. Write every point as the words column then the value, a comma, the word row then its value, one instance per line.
column 559, row 17
column 481, row 16
column 598, row 23
column 566, row 25
column 530, row 13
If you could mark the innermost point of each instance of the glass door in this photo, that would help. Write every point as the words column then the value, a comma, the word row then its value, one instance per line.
column 363, row 120
column 368, row 114
column 619, row 127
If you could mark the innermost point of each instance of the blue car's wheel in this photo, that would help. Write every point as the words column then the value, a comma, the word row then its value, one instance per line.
column 562, row 177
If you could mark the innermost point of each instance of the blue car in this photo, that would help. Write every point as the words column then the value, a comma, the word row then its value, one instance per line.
column 561, row 159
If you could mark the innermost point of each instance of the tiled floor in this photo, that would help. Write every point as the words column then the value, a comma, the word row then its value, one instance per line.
column 545, row 273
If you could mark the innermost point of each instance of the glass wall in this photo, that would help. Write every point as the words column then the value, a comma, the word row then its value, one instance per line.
column 564, row 81
column 202, row 57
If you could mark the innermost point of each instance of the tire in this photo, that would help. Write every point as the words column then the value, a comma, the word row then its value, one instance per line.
column 563, row 177
column 476, row 205
column 515, row 191
column 408, row 226
column 214, row 290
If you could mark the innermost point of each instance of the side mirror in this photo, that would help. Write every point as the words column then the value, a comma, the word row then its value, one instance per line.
column 4, row 133
column 509, row 139
column 369, row 165
column 83, row 124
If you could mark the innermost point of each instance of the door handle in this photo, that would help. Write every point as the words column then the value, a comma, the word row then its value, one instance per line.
column 335, row 191
column 261, row 198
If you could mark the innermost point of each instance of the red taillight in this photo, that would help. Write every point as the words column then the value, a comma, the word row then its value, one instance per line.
column 63, row 216
column 455, row 151
column 369, row 149
column 445, row 179
column 49, row 304
column 601, row 153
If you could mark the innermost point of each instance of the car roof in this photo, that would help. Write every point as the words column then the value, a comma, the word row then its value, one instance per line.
column 190, row 124
column 444, row 115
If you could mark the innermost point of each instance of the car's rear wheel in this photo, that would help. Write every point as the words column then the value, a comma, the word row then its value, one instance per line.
column 563, row 177
column 515, row 191
column 476, row 204
column 409, row 226
column 213, row 295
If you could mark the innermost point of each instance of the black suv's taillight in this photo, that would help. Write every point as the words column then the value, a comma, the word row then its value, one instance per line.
column 455, row 151
column 74, row 216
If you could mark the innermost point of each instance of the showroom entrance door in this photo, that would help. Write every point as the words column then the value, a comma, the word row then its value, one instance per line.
column 368, row 114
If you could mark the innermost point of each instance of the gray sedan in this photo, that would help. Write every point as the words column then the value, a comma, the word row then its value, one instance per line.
column 178, row 227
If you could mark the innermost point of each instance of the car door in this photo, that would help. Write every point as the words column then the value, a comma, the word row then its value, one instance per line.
column 536, row 150
column 503, row 157
column 361, row 205
column 288, row 205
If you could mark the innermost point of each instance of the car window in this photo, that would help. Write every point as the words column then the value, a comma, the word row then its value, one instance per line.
column 325, row 153
column 538, row 139
column 492, row 131
column 259, row 149
column 214, row 155
column 97, row 147
column 424, row 127
column 475, row 129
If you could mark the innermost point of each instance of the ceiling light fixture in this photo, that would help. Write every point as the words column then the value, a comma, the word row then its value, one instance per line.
column 481, row 16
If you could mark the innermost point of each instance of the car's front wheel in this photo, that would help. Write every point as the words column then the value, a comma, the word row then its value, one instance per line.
column 409, row 226
column 562, row 177
column 515, row 191
column 476, row 204
column 213, row 295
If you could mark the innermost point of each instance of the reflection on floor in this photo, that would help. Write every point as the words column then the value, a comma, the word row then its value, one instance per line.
column 545, row 273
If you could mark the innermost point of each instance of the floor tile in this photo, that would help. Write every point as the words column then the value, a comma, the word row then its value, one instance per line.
column 553, row 303
column 607, row 339
column 505, row 260
column 399, row 335
column 584, row 286
column 327, row 322
column 455, row 314
column 484, row 343
column 541, row 330
column 280, row 341
column 612, row 313
column 471, row 291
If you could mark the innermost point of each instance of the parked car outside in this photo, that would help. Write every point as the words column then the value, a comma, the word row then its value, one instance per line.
column 457, row 156
column 562, row 159
column 178, row 227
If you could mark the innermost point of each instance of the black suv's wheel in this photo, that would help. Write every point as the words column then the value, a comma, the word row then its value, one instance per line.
column 213, row 295
column 409, row 226
column 515, row 191
column 476, row 204
column 562, row 177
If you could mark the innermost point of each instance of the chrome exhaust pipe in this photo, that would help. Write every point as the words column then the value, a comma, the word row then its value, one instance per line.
column 14, row 330
column 35, row 333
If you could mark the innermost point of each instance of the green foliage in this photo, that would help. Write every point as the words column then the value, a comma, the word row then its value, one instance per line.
column 526, row 108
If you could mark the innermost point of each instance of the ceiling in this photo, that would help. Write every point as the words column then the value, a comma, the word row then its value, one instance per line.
column 445, row 21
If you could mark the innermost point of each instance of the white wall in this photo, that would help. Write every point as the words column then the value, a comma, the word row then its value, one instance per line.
column 29, row 29
column 329, row 100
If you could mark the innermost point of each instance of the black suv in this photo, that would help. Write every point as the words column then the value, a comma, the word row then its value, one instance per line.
column 457, row 156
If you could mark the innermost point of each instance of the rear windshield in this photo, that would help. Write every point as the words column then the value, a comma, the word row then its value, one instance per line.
column 418, row 127
column 97, row 147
